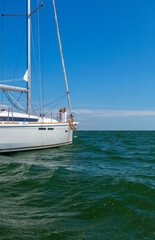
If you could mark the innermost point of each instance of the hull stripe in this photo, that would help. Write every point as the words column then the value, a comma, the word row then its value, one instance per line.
column 35, row 147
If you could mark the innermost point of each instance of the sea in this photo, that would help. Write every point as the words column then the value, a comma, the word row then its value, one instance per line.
column 102, row 187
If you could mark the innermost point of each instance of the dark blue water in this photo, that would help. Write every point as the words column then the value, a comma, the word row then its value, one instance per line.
column 101, row 187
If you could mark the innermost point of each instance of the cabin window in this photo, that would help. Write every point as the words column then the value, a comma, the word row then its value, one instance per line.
column 50, row 128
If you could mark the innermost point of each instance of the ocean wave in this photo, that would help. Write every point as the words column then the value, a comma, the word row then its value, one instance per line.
column 100, row 187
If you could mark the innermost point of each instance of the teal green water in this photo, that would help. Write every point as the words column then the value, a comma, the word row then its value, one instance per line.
column 101, row 187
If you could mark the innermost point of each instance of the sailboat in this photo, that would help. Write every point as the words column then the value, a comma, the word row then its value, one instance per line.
column 22, row 131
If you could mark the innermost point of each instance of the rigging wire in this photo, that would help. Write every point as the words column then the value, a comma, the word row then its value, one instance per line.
column 56, row 105
column 20, row 96
column 19, row 53
column 42, row 55
column 40, row 72
column 37, row 57
column 15, row 101
column 12, row 102
column 52, row 102
column 22, row 40
column 4, row 7
column 13, row 80
column 2, row 52
column 40, row 80
column 6, row 93
column 31, row 104
column 2, row 46
column 35, row 62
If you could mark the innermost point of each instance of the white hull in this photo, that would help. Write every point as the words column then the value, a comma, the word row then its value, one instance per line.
column 29, row 136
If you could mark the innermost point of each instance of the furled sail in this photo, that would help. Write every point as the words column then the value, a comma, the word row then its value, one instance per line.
column 25, row 78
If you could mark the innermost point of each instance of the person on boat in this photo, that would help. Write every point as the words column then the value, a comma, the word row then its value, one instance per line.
column 65, row 116
column 60, row 114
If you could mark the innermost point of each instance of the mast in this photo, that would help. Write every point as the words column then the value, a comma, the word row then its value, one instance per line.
column 29, row 56
column 61, row 55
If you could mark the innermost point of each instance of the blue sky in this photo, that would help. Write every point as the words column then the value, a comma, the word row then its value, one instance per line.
column 109, row 53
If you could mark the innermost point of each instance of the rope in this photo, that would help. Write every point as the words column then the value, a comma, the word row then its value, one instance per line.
column 31, row 105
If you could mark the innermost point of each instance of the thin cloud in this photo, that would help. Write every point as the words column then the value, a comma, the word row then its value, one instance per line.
column 83, row 111
column 114, row 113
